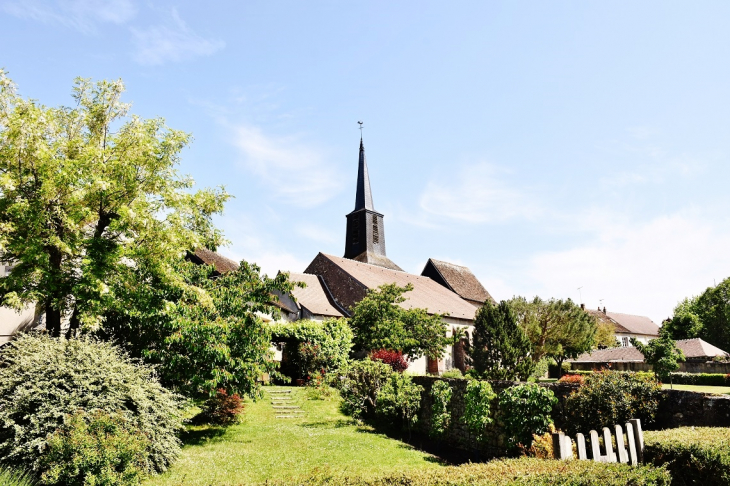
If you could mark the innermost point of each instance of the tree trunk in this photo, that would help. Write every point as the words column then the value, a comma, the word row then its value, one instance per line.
column 73, row 324
column 53, row 321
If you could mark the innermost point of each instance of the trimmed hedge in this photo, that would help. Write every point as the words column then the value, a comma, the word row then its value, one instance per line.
column 693, row 455
column 702, row 379
column 522, row 471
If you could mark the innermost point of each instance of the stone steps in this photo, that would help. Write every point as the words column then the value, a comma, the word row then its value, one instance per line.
column 281, row 402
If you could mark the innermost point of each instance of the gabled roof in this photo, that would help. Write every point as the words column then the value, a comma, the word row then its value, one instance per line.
column 314, row 297
column 426, row 293
column 627, row 323
column 692, row 349
column 219, row 262
column 698, row 348
column 458, row 279
column 373, row 258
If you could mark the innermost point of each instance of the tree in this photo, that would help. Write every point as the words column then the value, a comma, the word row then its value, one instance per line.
column 663, row 354
column 558, row 329
column 378, row 322
column 89, row 194
column 499, row 350
column 706, row 316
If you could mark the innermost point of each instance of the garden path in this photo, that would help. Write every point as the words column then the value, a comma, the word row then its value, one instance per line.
column 283, row 404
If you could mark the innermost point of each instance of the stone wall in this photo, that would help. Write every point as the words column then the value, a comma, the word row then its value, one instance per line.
column 687, row 367
column 684, row 408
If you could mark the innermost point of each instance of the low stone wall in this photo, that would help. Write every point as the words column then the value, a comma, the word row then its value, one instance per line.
column 687, row 367
column 681, row 408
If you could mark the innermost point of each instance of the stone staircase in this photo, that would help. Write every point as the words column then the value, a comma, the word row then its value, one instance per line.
column 283, row 404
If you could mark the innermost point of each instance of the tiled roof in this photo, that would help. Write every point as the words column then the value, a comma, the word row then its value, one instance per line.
column 374, row 259
column 313, row 296
column 697, row 348
column 426, row 293
column 635, row 324
column 607, row 320
column 461, row 280
column 692, row 348
column 221, row 263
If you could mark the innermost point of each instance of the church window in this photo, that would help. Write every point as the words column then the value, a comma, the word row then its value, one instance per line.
column 376, row 234
column 356, row 229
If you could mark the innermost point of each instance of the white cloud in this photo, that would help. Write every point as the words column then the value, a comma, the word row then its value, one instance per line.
column 82, row 15
column 476, row 194
column 638, row 268
column 171, row 42
column 295, row 172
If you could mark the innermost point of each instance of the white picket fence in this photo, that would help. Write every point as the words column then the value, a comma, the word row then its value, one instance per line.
column 630, row 451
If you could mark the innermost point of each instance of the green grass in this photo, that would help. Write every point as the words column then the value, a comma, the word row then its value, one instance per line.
column 15, row 478
column 265, row 448
column 718, row 390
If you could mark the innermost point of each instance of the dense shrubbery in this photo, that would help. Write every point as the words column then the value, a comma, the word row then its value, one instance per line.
column 703, row 379
column 399, row 400
column 453, row 373
column 96, row 448
column 222, row 409
column 523, row 471
column 394, row 359
column 440, row 409
column 693, row 455
column 44, row 380
column 359, row 383
column 478, row 408
column 525, row 410
column 579, row 379
column 14, row 478
column 608, row 398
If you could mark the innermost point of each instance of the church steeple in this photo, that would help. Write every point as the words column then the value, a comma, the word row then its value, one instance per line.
column 365, row 237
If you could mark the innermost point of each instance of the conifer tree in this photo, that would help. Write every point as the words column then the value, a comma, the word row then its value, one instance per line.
column 499, row 350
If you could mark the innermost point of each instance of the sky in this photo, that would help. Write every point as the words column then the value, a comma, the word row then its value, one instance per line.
column 562, row 149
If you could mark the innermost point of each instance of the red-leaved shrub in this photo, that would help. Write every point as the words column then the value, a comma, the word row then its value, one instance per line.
column 222, row 409
column 571, row 379
column 394, row 359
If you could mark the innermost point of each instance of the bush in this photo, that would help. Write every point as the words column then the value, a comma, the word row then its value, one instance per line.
column 399, row 400
column 523, row 471
column 526, row 410
column 394, row 359
column 440, row 413
column 478, row 408
column 608, row 398
column 453, row 373
column 97, row 448
column 222, row 409
column 693, row 455
column 702, row 379
column 359, row 384
column 43, row 380
column 579, row 379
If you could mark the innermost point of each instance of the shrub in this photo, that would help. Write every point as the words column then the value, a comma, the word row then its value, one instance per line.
column 96, row 448
column 608, row 398
column 579, row 379
column 399, row 399
column 318, row 388
column 526, row 410
column 453, row 373
column 440, row 413
column 359, row 384
column 394, row 359
column 514, row 472
column 542, row 445
column 43, row 380
column 222, row 409
column 702, row 379
column 693, row 455
column 478, row 407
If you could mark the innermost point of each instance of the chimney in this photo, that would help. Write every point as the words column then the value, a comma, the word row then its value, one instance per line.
column 604, row 309
column 583, row 307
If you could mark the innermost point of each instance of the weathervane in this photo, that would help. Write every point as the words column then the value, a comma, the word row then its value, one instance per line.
column 360, row 123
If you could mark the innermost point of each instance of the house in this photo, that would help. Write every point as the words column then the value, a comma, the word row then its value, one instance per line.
column 627, row 326
column 12, row 321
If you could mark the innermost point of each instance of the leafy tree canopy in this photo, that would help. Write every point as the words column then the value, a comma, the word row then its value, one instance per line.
column 378, row 322
column 706, row 316
column 662, row 353
column 499, row 350
column 87, row 194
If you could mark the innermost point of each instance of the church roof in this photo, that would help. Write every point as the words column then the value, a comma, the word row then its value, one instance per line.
column 457, row 278
column 363, row 196
column 313, row 297
column 373, row 258
column 426, row 293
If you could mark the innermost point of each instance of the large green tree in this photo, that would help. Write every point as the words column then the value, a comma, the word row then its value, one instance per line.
column 662, row 353
column 378, row 322
column 558, row 329
column 88, row 193
column 499, row 350
column 706, row 316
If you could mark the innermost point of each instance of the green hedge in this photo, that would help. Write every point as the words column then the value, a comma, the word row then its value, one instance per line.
column 703, row 379
column 693, row 455
column 522, row 471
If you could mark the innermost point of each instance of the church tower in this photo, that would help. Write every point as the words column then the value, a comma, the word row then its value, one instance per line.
column 365, row 237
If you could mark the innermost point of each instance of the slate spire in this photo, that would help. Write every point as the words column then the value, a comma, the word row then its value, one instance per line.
column 364, row 196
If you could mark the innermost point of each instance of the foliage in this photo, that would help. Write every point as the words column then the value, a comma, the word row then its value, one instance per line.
column 605, row 335
column 399, row 399
column 499, row 349
column 378, row 322
column 706, row 316
column 542, row 445
column 15, row 478
column 693, row 455
column 704, row 379
column 87, row 195
column 572, row 378
column 558, row 329
column 662, row 353
column 453, row 373
column 43, row 379
column 541, row 368
column 318, row 388
column 333, row 337
column 201, row 329
column 608, row 398
column 359, row 385
column 221, row 409
column 513, row 472
column 394, row 359
column 95, row 449
column 440, row 409
column 526, row 410
column 478, row 408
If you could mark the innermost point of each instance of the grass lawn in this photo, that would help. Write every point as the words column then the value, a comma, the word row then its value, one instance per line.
column 263, row 447
column 718, row 390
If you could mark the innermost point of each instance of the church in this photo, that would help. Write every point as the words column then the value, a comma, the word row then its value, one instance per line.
column 335, row 284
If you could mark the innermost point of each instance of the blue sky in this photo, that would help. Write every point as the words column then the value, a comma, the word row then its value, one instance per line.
column 546, row 145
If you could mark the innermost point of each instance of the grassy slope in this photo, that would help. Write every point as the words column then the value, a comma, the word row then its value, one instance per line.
column 263, row 447
column 720, row 390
